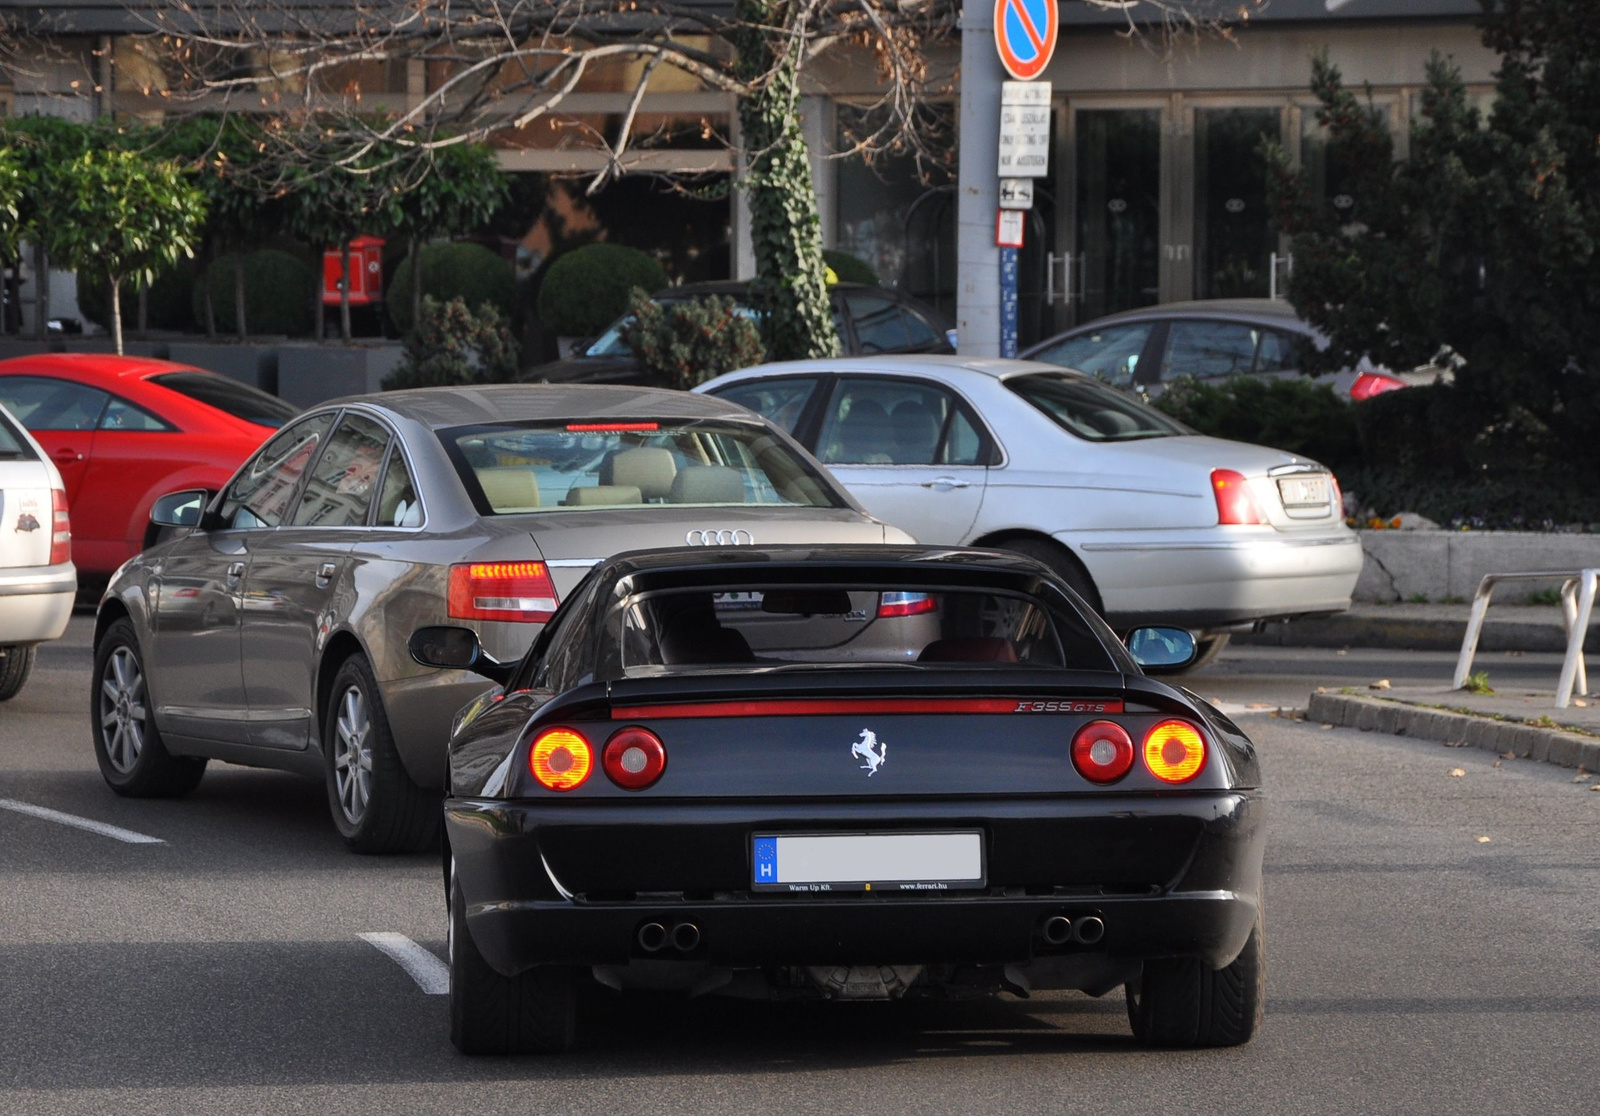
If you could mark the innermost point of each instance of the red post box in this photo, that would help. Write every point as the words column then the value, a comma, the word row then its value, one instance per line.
column 366, row 272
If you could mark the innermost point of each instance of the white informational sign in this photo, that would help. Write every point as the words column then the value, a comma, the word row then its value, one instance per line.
column 1016, row 193
column 1008, row 228
column 1024, row 129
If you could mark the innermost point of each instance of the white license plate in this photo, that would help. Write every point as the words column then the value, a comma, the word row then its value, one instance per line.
column 1301, row 492
column 867, row 861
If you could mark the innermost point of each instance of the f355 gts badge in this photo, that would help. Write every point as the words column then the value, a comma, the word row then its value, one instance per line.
column 870, row 749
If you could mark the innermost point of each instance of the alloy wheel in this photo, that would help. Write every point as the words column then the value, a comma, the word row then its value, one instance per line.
column 122, row 709
column 352, row 755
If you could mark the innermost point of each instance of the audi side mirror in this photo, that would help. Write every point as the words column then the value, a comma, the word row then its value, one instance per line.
column 450, row 648
column 1162, row 649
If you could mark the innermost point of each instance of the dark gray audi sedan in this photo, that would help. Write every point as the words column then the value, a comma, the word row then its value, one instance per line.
column 266, row 624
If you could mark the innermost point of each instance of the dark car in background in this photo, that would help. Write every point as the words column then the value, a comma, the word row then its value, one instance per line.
column 869, row 319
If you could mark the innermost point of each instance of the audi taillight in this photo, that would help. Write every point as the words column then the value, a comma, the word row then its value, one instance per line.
column 1174, row 751
column 1102, row 751
column 904, row 604
column 1234, row 502
column 560, row 759
column 634, row 758
column 60, row 528
column 517, row 591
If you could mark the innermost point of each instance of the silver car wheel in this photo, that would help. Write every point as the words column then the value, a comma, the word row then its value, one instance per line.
column 122, row 709
column 352, row 755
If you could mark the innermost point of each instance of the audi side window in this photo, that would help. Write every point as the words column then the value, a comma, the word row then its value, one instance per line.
column 122, row 415
column 260, row 494
column 45, row 403
column 340, row 490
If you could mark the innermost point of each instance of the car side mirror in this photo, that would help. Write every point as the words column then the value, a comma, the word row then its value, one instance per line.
column 1162, row 648
column 450, row 648
column 180, row 509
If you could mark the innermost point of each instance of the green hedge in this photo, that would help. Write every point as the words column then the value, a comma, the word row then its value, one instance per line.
column 587, row 289
column 466, row 271
column 850, row 269
column 167, row 304
column 1295, row 415
column 278, row 289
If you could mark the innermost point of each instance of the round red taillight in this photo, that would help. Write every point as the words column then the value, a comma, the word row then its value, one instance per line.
column 634, row 758
column 1174, row 751
column 560, row 759
column 1102, row 751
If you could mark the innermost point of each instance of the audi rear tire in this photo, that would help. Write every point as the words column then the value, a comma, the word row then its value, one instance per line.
column 375, row 805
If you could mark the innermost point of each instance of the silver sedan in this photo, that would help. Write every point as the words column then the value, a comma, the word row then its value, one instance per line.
column 267, row 625
column 1150, row 522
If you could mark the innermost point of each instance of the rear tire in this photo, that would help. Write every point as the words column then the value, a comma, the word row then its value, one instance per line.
column 534, row 1012
column 16, row 663
column 1189, row 1004
column 1060, row 560
column 375, row 805
column 127, row 744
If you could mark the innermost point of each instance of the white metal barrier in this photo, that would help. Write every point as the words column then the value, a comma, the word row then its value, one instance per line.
column 1577, row 603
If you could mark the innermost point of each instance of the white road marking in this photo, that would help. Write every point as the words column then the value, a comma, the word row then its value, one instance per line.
column 430, row 973
column 115, row 832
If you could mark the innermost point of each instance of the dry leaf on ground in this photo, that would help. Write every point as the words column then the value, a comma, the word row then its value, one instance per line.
column 1457, row 772
column 1380, row 684
column 1483, row 840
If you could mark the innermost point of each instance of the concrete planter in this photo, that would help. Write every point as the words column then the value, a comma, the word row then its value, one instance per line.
column 309, row 374
column 27, row 346
column 1440, row 565
column 100, row 343
column 253, row 363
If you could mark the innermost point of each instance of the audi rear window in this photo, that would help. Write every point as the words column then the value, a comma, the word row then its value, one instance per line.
column 517, row 468
column 229, row 396
column 13, row 446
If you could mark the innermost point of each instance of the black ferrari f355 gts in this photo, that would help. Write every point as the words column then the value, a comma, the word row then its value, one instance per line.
column 849, row 773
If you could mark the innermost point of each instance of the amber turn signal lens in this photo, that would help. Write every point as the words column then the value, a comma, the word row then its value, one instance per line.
column 634, row 758
column 560, row 759
column 1174, row 751
column 1102, row 751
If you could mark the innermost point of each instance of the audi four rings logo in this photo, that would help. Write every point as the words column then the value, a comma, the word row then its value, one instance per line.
column 737, row 537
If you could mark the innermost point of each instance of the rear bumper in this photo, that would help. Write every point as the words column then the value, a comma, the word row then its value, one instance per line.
column 36, row 602
column 520, row 912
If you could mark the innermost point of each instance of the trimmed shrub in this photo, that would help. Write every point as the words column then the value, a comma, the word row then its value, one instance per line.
column 455, row 345
column 850, row 269
column 588, row 288
column 278, row 289
column 167, row 303
column 1294, row 415
column 466, row 271
column 683, row 344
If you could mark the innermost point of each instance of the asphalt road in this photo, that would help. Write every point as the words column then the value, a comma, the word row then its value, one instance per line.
column 1413, row 966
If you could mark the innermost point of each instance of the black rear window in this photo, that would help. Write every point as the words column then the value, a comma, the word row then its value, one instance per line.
column 229, row 396
column 13, row 446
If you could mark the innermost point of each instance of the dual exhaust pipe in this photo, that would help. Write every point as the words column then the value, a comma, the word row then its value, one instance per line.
column 1059, row 930
column 653, row 937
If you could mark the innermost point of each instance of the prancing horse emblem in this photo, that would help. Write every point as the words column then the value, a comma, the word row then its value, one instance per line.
column 863, row 749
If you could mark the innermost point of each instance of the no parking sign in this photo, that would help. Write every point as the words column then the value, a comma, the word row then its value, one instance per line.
column 1025, row 35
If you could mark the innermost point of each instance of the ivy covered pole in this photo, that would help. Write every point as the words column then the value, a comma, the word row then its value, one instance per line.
column 790, row 288
column 125, row 217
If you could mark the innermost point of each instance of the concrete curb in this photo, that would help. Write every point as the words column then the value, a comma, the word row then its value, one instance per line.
column 1412, row 634
column 1566, row 749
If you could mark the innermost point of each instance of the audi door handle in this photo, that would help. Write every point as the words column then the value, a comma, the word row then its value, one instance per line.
column 67, row 456
column 946, row 482
column 236, row 571
column 325, row 574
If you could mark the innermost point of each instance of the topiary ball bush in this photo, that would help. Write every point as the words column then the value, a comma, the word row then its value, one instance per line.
column 850, row 269
column 167, row 305
column 587, row 289
column 278, row 289
column 470, row 272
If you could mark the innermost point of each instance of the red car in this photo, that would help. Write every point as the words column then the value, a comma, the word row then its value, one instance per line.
column 125, row 430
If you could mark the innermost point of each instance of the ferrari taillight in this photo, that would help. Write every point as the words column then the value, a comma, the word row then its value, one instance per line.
column 560, row 759
column 1102, row 751
column 516, row 591
column 60, row 528
column 634, row 758
column 1174, row 751
column 1234, row 502
column 904, row 604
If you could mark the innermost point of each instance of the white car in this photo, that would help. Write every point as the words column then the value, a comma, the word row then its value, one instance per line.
column 1150, row 522
column 37, row 578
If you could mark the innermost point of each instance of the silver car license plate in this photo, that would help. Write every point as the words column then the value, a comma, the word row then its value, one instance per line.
column 867, row 861
column 1303, row 492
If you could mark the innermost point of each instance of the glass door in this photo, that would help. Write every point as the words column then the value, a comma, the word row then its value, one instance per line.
column 1118, row 234
column 1233, row 235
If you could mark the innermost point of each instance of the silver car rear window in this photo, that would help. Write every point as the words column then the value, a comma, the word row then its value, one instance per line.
column 1092, row 411
column 609, row 464
column 13, row 446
